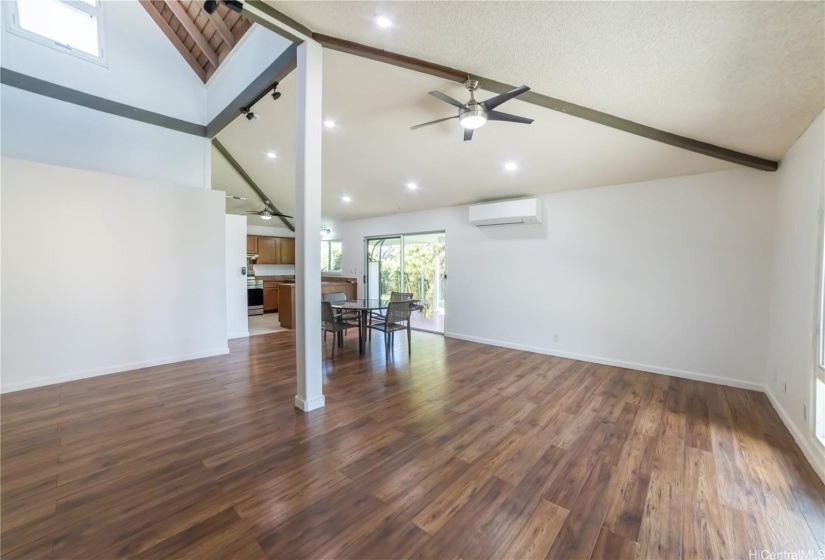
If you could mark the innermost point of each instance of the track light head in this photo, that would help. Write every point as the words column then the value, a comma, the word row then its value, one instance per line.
column 276, row 95
column 245, row 111
column 209, row 6
column 234, row 5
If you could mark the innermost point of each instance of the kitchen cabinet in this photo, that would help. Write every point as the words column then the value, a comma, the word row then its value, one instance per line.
column 287, row 250
column 251, row 244
column 269, row 250
column 270, row 299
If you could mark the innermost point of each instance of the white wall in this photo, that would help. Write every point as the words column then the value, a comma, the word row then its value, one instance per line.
column 237, row 321
column 43, row 129
column 258, row 48
column 143, row 68
column 102, row 273
column 794, row 286
column 670, row 276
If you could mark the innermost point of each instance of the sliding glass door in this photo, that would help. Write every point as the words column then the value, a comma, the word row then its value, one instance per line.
column 410, row 263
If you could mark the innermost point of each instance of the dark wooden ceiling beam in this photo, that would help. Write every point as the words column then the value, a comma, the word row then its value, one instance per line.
column 173, row 37
column 223, row 29
column 426, row 67
column 183, row 17
column 548, row 102
column 252, row 185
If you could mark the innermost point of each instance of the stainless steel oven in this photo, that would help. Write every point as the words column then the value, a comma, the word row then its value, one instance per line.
column 254, row 288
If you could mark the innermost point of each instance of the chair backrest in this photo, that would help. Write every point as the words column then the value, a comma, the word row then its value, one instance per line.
column 334, row 297
column 400, row 296
column 398, row 312
column 327, row 316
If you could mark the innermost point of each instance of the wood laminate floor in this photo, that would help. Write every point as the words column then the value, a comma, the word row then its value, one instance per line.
column 465, row 451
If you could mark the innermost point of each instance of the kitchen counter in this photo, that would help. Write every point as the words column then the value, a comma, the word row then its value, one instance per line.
column 286, row 296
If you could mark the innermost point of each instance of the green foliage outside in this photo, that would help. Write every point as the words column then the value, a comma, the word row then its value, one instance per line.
column 422, row 262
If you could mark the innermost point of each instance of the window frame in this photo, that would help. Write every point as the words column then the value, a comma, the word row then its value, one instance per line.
column 817, row 413
column 97, row 11
column 329, row 243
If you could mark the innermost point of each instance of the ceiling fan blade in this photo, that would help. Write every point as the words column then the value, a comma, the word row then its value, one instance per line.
column 494, row 102
column 496, row 116
column 432, row 122
column 448, row 99
column 468, row 134
column 282, row 216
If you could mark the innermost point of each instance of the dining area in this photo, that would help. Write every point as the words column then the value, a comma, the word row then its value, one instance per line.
column 385, row 316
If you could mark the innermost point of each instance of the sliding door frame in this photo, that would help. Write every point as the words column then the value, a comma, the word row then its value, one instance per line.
column 402, row 280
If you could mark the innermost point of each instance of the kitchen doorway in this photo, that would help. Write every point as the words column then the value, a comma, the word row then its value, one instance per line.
column 411, row 263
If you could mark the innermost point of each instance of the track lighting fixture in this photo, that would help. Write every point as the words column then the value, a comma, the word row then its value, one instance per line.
column 325, row 230
column 245, row 111
column 209, row 6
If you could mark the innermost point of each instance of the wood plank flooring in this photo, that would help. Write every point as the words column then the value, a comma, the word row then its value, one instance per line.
column 463, row 451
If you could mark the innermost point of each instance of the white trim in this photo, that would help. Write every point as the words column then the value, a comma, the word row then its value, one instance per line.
column 814, row 456
column 234, row 335
column 695, row 376
column 43, row 381
column 311, row 404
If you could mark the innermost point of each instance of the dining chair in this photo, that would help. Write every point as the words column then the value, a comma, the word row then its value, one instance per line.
column 394, row 296
column 339, row 297
column 398, row 313
column 330, row 322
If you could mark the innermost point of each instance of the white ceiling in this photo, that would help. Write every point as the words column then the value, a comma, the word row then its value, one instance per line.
column 743, row 75
column 372, row 153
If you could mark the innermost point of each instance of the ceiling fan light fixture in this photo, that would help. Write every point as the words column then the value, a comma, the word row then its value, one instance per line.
column 473, row 119
column 265, row 215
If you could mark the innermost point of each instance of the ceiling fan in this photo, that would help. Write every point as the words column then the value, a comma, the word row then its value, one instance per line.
column 475, row 114
column 266, row 214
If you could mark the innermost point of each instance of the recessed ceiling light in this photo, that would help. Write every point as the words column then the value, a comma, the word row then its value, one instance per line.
column 329, row 124
column 271, row 155
column 346, row 199
column 412, row 186
column 510, row 166
column 383, row 22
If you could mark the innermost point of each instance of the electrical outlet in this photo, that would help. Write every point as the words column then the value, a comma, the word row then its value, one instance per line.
column 786, row 387
column 555, row 338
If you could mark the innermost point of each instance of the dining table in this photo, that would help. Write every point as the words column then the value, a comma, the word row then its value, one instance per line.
column 364, row 307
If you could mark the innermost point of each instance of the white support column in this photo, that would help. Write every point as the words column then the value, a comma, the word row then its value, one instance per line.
column 308, row 226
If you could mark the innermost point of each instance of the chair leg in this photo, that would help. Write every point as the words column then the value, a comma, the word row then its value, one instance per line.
column 387, row 346
column 409, row 340
column 334, row 343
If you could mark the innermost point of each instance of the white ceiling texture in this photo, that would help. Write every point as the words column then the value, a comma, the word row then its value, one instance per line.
column 743, row 75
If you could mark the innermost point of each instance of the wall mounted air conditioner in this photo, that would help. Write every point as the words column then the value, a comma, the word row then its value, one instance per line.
column 522, row 211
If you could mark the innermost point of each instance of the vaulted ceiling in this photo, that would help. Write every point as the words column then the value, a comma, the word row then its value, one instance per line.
column 742, row 75
column 204, row 40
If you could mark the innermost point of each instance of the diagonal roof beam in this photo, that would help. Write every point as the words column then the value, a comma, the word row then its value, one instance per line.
column 533, row 97
column 173, row 37
column 220, row 25
column 187, row 23
column 245, row 176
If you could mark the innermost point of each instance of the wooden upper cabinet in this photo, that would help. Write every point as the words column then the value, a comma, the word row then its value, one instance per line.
column 269, row 250
column 251, row 244
column 287, row 250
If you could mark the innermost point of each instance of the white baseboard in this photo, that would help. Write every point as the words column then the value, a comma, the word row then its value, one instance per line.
column 814, row 456
column 74, row 376
column 618, row 363
column 311, row 404
column 231, row 336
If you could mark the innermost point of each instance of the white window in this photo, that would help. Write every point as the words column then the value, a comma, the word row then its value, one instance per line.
column 331, row 255
column 71, row 26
